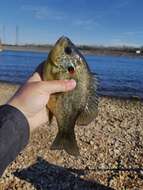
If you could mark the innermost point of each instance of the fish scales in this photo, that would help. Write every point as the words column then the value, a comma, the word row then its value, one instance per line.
column 78, row 106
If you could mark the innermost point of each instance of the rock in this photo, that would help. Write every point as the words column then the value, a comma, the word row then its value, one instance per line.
column 110, row 150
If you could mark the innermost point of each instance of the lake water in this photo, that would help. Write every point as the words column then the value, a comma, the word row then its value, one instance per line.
column 118, row 76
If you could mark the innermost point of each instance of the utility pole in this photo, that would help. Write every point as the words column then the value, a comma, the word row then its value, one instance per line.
column 17, row 35
column 3, row 34
column 0, row 37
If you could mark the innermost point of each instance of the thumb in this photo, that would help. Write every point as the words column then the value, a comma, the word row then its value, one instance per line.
column 34, row 78
column 58, row 86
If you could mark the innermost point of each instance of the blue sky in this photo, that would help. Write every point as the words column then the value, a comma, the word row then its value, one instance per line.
column 101, row 22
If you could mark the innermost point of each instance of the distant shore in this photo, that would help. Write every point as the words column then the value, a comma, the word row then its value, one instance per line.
column 110, row 51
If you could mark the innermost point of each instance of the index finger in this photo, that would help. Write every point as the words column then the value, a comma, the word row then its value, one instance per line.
column 55, row 86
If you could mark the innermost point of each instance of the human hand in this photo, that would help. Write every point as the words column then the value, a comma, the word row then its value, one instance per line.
column 32, row 97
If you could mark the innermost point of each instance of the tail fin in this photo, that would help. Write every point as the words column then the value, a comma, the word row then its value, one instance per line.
column 67, row 142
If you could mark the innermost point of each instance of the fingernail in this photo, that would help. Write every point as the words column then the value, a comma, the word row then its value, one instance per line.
column 71, row 84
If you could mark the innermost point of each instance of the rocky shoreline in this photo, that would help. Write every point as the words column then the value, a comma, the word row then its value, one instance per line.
column 111, row 151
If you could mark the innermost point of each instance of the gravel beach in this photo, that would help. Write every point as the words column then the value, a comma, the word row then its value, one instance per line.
column 111, row 151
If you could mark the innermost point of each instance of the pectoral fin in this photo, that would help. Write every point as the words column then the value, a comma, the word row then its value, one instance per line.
column 90, row 111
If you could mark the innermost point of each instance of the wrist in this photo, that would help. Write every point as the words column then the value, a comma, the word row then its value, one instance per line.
column 14, row 103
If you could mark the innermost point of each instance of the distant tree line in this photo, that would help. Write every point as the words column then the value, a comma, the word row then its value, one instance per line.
column 119, row 50
column 128, row 49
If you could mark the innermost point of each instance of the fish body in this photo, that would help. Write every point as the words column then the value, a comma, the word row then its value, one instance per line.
column 78, row 106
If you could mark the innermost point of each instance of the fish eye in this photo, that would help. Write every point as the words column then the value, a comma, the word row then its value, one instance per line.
column 71, row 69
column 68, row 50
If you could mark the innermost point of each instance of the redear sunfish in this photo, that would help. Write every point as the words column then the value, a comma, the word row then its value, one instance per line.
column 78, row 106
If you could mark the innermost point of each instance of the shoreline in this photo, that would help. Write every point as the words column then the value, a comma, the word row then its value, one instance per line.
column 98, row 52
column 134, row 98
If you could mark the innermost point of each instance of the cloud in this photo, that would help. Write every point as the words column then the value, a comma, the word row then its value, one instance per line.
column 122, row 4
column 133, row 33
column 43, row 12
column 122, row 42
column 128, row 38
column 81, row 22
column 47, row 13
column 86, row 24
column 113, row 9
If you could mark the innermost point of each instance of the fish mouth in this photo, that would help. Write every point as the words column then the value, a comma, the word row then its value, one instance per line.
column 71, row 69
column 63, row 38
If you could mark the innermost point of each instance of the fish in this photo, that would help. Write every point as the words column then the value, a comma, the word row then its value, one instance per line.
column 76, row 107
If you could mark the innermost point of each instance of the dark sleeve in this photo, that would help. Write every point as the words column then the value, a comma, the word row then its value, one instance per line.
column 14, row 134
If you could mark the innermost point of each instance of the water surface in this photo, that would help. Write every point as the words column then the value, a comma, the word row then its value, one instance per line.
column 119, row 76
